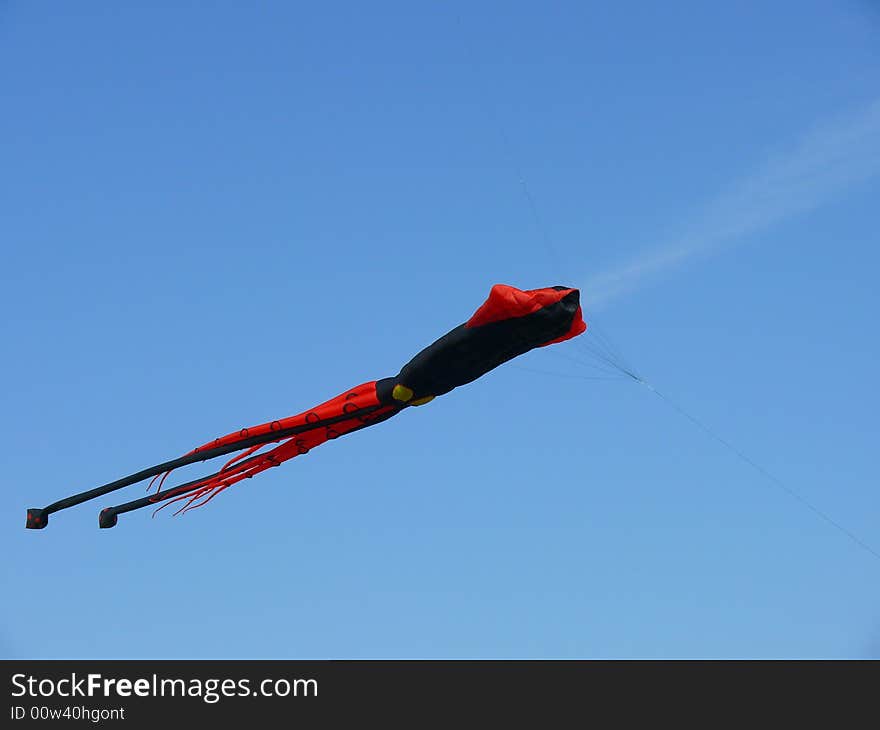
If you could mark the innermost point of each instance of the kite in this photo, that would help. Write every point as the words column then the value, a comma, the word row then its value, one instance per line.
column 508, row 324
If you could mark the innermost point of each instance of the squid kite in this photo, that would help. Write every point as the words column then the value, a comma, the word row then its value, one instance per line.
column 509, row 323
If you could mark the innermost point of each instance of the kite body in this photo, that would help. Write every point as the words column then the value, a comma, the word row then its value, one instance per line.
column 508, row 324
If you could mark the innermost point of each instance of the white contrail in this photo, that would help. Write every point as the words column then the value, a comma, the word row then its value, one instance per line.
column 823, row 162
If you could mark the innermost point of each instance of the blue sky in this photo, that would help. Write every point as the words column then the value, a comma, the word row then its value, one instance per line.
column 213, row 215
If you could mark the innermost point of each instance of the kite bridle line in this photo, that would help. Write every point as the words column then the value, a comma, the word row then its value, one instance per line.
column 38, row 518
column 602, row 350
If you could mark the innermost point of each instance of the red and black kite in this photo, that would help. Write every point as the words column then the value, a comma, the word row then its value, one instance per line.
column 509, row 323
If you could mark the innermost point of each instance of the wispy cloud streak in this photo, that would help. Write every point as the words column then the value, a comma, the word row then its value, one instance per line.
column 824, row 161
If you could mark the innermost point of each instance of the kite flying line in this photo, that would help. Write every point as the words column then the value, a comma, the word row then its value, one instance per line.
column 609, row 357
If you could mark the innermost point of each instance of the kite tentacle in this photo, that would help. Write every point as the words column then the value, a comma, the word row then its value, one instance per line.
column 226, row 477
column 200, row 491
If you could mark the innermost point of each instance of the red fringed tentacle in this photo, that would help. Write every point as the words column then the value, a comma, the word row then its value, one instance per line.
column 245, row 465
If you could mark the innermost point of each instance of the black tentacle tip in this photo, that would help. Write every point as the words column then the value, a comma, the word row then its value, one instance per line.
column 108, row 518
column 37, row 519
